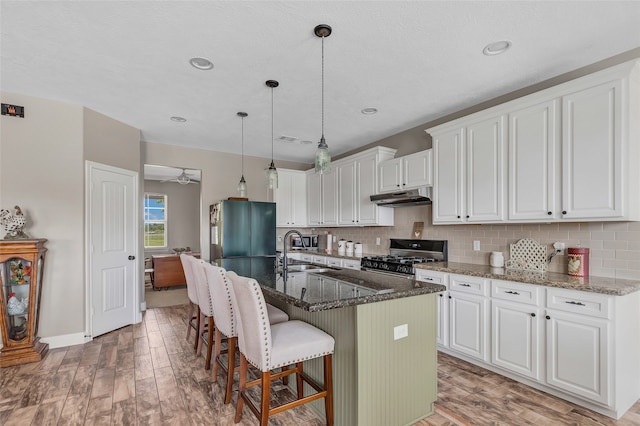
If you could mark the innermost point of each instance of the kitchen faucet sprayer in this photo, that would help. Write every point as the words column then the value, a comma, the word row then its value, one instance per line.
column 284, row 252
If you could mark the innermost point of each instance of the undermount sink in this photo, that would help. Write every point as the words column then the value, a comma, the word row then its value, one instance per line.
column 303, row 268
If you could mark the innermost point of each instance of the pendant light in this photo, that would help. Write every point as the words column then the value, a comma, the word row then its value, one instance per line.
column 272, row 172
column 242, row 185
column 323, row 158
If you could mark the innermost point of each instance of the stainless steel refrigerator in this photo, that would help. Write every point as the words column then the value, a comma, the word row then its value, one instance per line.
column 243, row 235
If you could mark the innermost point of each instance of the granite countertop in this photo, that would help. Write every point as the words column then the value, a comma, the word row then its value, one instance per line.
column 320, row 293
column 323, row 290
column 612, row 286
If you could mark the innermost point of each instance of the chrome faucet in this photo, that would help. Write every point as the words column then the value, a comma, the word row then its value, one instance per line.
column 285, row 262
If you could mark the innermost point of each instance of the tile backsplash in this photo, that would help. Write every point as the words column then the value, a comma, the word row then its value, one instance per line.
column 614, row 246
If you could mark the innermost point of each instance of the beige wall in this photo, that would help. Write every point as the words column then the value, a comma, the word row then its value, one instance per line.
column 220, row 175
column 108, row 141
column 183, row 214
column 42, row 170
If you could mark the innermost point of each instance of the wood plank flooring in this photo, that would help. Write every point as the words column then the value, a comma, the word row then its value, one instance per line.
column 147, row 374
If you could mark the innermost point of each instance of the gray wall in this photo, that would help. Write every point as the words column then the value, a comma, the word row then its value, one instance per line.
column 183, row 214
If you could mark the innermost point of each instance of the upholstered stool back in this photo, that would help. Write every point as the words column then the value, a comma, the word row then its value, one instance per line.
column 192, row 292
column 254, row 331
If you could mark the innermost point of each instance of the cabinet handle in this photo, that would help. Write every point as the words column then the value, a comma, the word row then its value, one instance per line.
column 564, row 212
column 576, row 303
column 548, row 317
column 464, row 285
column 131, row 258
column 458, row 217
column 512, row 292
column 533, row 314
column 398, row 185
column 467, row 216
column 404, row 184
column 449, row 297
column 441, row 295
column 549, row 213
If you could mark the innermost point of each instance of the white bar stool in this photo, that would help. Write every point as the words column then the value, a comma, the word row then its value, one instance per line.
column 268, row 347
column 192, row 292
column 226, row 321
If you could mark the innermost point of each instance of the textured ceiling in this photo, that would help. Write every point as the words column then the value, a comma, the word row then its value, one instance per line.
column 414, row 61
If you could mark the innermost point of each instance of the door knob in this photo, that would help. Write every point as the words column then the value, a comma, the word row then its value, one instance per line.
column 131, row 258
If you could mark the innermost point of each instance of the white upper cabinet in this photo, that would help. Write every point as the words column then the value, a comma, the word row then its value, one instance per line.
column 291, row 198
column 408, row 172
column 592, row 152
column 322, row 198
column 469, row 172
column 534, row 162
column 571, row 155
column 357, row 181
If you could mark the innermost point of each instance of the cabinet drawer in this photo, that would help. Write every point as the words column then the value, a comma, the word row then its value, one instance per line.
column 306, row 257
column 516, row 292
column 322, row 260
column 579, row 302
column 332, row 261
column 467, row 284
column 431, row 276
column 351, row 264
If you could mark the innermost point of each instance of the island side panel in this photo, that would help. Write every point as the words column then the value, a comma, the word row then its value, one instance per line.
column 397, row 379
column 341, row 324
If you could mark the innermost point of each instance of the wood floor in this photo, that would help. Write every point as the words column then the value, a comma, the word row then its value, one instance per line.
column 147, row 374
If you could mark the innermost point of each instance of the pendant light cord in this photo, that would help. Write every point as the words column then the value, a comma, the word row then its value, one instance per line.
column 322, row 87
column 272, row 125
column 242, row 148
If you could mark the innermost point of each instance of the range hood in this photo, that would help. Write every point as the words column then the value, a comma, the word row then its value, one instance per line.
column 411, row 197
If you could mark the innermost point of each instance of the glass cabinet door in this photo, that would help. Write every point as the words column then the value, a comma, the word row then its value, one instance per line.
column 16, row 282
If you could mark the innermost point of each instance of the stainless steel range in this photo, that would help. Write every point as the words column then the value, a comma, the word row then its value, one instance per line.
column 404, row 254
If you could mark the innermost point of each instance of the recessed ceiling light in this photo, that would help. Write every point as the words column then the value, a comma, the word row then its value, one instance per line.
column 178, row 119
column 496, row 48
column 305, row 142
column 369, row 111
column 201, row 63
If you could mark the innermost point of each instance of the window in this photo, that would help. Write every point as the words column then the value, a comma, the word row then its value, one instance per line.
column 155, row 220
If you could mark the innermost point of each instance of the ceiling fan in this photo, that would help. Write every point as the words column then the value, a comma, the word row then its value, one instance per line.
column 182, row 179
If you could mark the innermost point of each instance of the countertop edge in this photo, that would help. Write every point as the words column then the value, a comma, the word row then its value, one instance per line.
column 425, row 288
column 601, row 285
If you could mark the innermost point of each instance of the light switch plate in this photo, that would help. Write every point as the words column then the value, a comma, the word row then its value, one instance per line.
column 400, row 331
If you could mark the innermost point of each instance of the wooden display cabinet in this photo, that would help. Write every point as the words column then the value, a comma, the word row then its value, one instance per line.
column 21, row 267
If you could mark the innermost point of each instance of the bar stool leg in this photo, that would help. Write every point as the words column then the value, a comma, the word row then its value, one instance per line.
column 328, row 386
column 242, row 386
column 207, row 363
column 231, row 351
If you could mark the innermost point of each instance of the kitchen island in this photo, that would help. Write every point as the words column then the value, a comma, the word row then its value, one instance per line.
column 385, row 360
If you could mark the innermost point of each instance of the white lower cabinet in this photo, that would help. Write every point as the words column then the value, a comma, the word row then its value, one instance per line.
column 578, row 343
column 580, row 346
column 516, row 338
column 442, row 332
column 468, row 316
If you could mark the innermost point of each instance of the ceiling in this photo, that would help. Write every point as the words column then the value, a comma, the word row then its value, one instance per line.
column 414, row 61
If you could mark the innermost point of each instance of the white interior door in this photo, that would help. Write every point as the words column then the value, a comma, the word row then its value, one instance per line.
column 112, row 247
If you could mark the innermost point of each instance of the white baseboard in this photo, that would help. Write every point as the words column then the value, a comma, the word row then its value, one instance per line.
column 65, row 340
